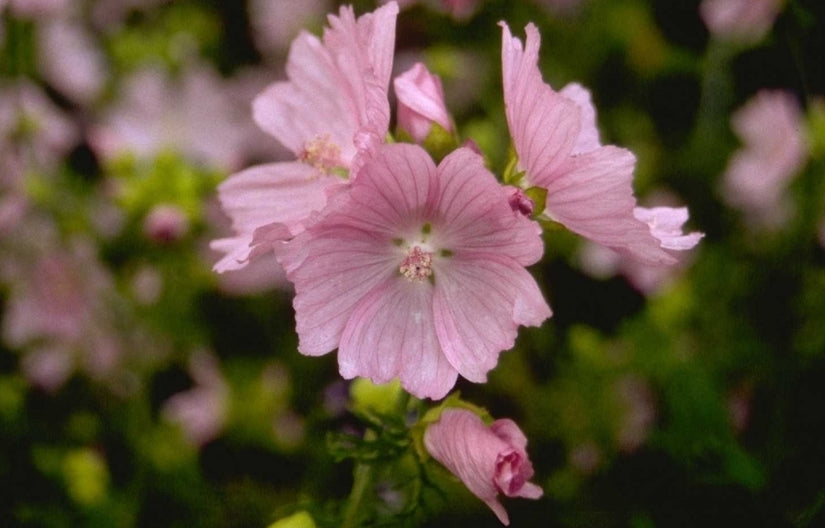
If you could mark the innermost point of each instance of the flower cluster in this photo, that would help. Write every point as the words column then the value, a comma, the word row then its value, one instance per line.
column 416, row 269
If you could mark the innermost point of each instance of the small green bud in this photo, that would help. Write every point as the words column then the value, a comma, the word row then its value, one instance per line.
column 299, row 519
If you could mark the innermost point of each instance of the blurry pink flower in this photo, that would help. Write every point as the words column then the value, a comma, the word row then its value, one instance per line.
column 742, row 20
column 420, row 102
column 202, row 410
column 56, row 309
column 70, row 61
column 585, row 457
column 589, row 186
column 461, row 9
column 38, row 8
column 773, row 151
column 488, row 460
column 638, row 415
column 276, row 24
column 417, row 272
column 333, row 108
column 157, row 114
column 165, row 223
column 29, row 116
column 13, row 200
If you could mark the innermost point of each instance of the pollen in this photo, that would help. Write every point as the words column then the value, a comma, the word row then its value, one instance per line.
column 418, row 265
column 322, row 154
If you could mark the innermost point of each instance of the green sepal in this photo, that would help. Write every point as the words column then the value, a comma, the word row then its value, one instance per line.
column 439, row 142
column 511, row 176
column 539, row 197
column 368, row 397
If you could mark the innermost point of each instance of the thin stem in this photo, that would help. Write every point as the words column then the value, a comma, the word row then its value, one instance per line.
column 362, row 479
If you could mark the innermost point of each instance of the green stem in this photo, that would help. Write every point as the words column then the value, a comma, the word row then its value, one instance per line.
column 362, row 480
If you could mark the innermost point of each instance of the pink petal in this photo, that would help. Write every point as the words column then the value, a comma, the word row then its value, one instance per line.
column 461, row 442
column 277, row 193
column 666, row 225
column 310, row 105
column 337, row 89
column 339, row 266
column 476, row 212
column 479, row 302
column 545, row 126
column 592, row 195
column 510, row 432
column 396, row 191
column 588, row 139
column 391, row 335
column 375, row 37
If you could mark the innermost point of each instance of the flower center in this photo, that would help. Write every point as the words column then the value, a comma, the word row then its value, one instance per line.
column 418, row 265
column 322, row 154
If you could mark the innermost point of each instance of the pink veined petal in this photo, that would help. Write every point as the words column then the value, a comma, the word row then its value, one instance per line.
column 337, row 89
column 363, row 51
column 377, row 32
column 545, row 126
column 461, row 442
column 476, row 212
column 592, row 195
column 339, row 265
column 311, row 104
column 277, row 193
column 510, row 432
column 666, row 225
column 479, row 302
column 390, row 334
column 588, row 139
column 397, row 190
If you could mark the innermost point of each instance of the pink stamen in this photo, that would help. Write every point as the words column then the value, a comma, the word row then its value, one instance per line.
column 418, row 265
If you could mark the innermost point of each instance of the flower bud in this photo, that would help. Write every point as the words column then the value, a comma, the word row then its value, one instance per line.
column 488, row 460
column 420, row 102
column 165, row 224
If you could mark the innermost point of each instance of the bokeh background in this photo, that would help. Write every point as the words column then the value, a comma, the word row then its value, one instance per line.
column 140, row 389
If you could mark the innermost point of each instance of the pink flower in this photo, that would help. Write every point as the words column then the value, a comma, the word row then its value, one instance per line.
column 589, row 186
column 34, row 9
column 742, row 20
column 29, row 116
column 202, row 410
column 275, row 24
column 333, row 108
column 165, row 223
column 417, row 272
column 420, row 102
column 773, row 151
column 70, row 60
column 488, row 460
column 157, row 113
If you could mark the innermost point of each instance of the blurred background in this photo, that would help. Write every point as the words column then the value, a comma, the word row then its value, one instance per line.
column 140, row 389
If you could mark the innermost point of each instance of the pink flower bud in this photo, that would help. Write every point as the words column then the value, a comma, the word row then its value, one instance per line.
column 420, row 102
column 521, row 203
column 488, row 460
column 165, row 223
